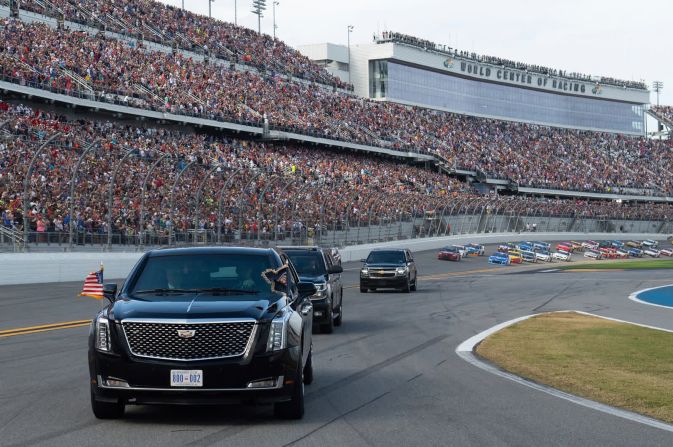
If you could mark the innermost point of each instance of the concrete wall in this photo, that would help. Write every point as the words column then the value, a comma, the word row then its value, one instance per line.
column 31, row 268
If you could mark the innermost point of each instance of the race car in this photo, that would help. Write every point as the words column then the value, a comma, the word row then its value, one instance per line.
column 475, row 249
column 608, row 253
column 504, row 248
column 617, row 244
column 562, row 255
column 499, row 258
column 528, row 256
column 594, row 254
column 449, row 254
column 633, row 244
column 565, row 246
column 622, row 254
column 649, row 243
column 515, row 257
column 635, row 252
column 544, row 256
column 590, row 244
column 575, row 245
column 666, row 252
column 524, row 246
column 461, row 249
column 652, row 252
column 541, row 246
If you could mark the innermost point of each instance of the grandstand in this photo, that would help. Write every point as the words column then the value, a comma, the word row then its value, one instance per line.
column 268, row 144
column 405, row 69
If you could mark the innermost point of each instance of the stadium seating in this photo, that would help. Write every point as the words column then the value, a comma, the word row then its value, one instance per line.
column 297, row 185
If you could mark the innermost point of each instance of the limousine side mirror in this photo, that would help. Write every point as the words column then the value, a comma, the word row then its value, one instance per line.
column 335, row 269
column 110, row 291
column 363, row 260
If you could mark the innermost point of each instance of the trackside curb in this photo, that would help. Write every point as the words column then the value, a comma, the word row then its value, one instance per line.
column 466, row 351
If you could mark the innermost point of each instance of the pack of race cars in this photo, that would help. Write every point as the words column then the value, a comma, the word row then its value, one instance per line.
column 538, row 251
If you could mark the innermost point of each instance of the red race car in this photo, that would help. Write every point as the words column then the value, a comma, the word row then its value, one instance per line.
column 449, row 254
column 609, row 253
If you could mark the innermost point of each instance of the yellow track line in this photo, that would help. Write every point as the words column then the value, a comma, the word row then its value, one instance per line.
column 43, row 328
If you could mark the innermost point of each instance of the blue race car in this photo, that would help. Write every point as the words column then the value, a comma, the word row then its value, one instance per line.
column 541, row 246
column 525, row 246
column 635, row 252
column 475, row 249
column 499, row 258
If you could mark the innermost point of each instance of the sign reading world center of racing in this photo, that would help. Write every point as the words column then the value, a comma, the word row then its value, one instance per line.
column 524, row 78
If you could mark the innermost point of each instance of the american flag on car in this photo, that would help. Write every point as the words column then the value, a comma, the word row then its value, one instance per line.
column 93, row 285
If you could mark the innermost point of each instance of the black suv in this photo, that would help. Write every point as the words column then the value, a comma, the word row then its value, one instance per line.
column 320, row 267
column 388, row 269
column 204, row 325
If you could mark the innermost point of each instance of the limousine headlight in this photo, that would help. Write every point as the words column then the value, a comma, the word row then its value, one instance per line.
column 277, row 333
column 364, row 271
column 102, row 334
column 401, row 271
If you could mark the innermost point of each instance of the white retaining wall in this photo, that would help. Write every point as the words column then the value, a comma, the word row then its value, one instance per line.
column 32, row 268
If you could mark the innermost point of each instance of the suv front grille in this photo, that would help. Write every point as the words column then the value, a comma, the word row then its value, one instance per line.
column 176, row 341
column 381, row 273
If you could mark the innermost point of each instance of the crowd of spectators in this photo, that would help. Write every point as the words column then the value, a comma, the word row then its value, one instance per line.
column 174, row 26
column 275, row 187
column 529, row 155
column 391, row 36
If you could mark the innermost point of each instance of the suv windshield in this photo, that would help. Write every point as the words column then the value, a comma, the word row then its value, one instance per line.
column 386, row 257
column 228, row 274
column 308, row 263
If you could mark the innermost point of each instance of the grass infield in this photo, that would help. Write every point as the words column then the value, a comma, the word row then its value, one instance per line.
column 619, row 364
column 645, row 264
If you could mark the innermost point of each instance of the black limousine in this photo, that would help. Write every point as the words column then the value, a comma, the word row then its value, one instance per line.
column 204, row 325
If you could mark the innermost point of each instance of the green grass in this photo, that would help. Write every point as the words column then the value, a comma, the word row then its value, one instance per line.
column 645, row 264
column 619, row 364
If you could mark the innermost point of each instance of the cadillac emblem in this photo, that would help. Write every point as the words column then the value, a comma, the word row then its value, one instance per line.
column 448, row 63
column 186, row 333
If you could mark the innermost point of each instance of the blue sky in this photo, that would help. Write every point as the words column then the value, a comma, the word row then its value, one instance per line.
column 626, row 40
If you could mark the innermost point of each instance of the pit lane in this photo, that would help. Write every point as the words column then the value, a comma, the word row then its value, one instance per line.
column 388, row 376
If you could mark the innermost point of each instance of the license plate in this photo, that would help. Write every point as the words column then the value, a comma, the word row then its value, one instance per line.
column 187, row 377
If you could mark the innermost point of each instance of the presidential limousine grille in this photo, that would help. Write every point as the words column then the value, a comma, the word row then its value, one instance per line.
column 188, row 341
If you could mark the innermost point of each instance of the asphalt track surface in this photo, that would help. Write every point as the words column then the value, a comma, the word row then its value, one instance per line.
column 388, row 376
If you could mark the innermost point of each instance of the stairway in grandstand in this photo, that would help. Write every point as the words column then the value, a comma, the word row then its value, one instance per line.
column 661, row 118
column 10, row 239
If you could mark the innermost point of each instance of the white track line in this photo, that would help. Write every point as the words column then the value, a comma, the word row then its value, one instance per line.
column 634, row 297
column 466, row 351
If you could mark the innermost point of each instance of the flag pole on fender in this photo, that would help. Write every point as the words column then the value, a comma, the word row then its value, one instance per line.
column 93, row 285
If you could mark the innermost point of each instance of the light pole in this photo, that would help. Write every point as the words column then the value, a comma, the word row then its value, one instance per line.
column 210, row 3
column 258, row 8
column 275, row 3
column 658, row 86
column 235, row 12
column 350, row 30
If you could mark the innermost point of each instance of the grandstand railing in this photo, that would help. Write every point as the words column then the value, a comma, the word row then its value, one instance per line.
column 458, row 218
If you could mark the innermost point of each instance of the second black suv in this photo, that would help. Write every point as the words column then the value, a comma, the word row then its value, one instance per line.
column 388, row 269
column 320, row 267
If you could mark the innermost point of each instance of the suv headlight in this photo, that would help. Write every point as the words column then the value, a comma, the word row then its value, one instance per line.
column 364, row 271
column 321, row 290
column 278, row 332
column 102, row 335
column 401, row 270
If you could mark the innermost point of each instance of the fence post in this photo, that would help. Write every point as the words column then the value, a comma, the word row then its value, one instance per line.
column 111, row 195
column 26, row 184
column 143, row 189
column 221, row 199
column 171, row 202
column 197, row 199
column 72, row 190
